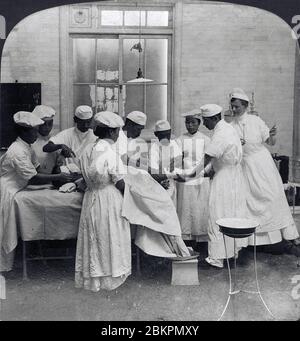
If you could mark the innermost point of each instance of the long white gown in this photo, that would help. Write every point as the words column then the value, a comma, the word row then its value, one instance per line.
column 266, row 200
column 192, row 196
column 227, row 195
column 17, row 166
column 103, row 256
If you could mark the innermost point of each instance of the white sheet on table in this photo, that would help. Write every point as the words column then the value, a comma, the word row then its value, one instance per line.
column 47, row 214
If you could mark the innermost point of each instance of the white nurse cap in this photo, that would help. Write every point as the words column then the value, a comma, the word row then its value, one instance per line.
column 108, row 119
column 239, row 93
column 137, row 117
column 209, row 110
column 84, row 112
column 27, row 119
column 162, row 125
column 195, row 113
column 44, row 112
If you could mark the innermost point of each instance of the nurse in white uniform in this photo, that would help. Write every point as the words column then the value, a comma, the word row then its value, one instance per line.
column 227, row 194
column 165, row 155
column 47, row 161
column 18, row 168
column 192, row 195
column 73, row 141
column 266, row 200
column 103, row 256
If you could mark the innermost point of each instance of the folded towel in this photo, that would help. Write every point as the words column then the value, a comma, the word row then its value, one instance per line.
column 67, row 188
column 73, row 168
column 70, row 168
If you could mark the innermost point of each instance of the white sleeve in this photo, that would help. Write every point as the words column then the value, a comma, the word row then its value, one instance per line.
column 264, row 130
column 60, row 138
column 154, row 157
column 34, row 159
column 115, row 167
column 216, row 148
column 23, row 166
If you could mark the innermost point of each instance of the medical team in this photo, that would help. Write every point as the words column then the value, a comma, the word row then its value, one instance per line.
column 231, row 174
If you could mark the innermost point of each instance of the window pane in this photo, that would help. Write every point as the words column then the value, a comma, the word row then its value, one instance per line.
column 131, row 58
column 84, row 95
column 84, row 64
column 112, row 18
column 107, row 98
column 107, row 60
column 156, row 104
column 157, row 60
column 132, row 18
column 157, row 18
column 133, row 98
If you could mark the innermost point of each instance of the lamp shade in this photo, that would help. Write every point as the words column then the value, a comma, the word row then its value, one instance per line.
column 140, row 78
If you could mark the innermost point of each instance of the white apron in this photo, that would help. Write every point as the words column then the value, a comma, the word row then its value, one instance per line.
column 193, row 195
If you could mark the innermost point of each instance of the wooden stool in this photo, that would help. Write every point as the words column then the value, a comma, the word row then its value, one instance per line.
column 185, row 272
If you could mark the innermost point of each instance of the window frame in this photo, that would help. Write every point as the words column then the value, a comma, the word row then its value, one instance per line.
column 66, row 54
column 121, row 82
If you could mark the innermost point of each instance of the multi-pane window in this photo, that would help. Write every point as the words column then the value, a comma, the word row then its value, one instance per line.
column 102, row 65
column 146, row 18
column 101, row 75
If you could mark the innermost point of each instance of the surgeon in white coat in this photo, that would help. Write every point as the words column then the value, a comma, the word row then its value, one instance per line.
column 18, row 168
column 72, row 141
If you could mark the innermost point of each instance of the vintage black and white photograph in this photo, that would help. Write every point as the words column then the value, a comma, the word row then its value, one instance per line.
column 149, row 162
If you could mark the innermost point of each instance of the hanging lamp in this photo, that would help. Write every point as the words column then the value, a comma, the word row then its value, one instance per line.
column 140, row 77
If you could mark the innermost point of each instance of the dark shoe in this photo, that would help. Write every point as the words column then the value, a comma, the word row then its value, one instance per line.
column 291, row 249
column 203, row 265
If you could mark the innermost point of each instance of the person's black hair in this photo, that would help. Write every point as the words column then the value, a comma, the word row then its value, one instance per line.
column 129, row 123
column 243, row 102
column 76, row 119
column 103, row 132
column 20, row 129
column 219, row 116
column 163, row 133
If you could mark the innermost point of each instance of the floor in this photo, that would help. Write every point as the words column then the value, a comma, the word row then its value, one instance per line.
column 50, row 293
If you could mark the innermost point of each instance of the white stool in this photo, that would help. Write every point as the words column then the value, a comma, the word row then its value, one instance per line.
column 185, row 272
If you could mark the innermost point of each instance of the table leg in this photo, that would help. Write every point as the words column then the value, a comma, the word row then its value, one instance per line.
column 41, row 252
column 294, row 198
column 138, row 261
column 25, row 277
